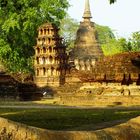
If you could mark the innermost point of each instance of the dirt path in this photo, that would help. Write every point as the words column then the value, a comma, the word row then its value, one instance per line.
column 71, row 107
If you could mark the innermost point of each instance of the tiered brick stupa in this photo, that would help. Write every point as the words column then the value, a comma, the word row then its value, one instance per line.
column 86, row 44
column 50, row 57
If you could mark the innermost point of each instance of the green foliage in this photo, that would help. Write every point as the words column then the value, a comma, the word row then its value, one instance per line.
column 135, row 41
column 68, row 28
column 104, row 33
column 107, row 39
column 112, row 47
column 19, row 21
column 112, row 1
column 126, row 45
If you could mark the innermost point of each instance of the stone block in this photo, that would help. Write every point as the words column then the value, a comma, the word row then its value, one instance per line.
column 134, row 92
column 126, row 92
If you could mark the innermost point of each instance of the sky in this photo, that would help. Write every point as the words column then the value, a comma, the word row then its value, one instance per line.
column 123, row 17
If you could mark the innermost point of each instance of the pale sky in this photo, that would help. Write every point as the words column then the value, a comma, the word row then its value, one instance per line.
column 123, row 17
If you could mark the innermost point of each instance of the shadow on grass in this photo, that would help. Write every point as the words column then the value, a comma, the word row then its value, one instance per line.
column 69, row 119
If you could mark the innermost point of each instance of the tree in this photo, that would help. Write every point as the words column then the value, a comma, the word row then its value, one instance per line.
column 126, row 45
column 107, row 40
column 104, row 33
column 68, row 28
column 19, row 21
column 132, row 44
column 112, row 1
column 135, row 41
column 113, row 46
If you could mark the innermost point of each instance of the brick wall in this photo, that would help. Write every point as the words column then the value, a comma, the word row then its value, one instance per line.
column 124, row 67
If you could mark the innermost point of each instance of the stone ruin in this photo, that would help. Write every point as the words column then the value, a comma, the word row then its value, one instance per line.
column 85, row 67
column 8, row 86
column 51, row 60
column 52, row 64
column 86, row 43
column 123, row 68
column 86, row 63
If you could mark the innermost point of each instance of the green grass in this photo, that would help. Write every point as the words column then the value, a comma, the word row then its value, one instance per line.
column 13, row 103
column 66, row 119
column 27, row 103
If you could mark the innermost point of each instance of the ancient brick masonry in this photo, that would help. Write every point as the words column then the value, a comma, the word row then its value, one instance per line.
column 53, row 68
column 8, row 86
column 50, row 57
column 86, row 44
column 123, row 68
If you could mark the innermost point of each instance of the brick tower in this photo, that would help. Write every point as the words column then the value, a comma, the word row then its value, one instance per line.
column 50, row 57
column 86, row 44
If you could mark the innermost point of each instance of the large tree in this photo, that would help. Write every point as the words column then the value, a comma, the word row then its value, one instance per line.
column 135, row 41
column 19, row 20
column 112, row 1
column 132, row 44
column 68, row 28
column 114, row 46
column 105, row 33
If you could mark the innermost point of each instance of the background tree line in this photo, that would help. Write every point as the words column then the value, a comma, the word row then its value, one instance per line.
column 109, row 43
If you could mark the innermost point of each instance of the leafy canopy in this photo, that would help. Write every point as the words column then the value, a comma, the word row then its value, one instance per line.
column 104, row 33
column 19, row 20
column 68, row 29
column 114, row 46
column 112, row 1
column 132, row 44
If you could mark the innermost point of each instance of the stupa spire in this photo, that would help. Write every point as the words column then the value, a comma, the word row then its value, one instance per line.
column 87, row 12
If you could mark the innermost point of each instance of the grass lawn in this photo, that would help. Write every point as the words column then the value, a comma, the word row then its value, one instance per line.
column 66, row 119
column 28, row 103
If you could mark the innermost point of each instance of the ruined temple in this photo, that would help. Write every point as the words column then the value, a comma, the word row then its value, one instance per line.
column 50, row 57
column 91, row 72
column 123, row 68
column 53, row 66
column 86, row 43
column 91, row 67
